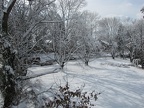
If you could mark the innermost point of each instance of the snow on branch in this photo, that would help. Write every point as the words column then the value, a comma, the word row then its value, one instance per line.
column 51, row 2
column 9, row 70
column 104, row 42
column 7, row 44
column 34, row 25
column 51, row 21
column 10, row 5
column 30, row 29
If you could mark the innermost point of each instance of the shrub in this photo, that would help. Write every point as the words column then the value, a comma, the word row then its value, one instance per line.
column 66, row 98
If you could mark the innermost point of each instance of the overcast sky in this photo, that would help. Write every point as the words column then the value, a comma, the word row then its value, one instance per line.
column 120, row 8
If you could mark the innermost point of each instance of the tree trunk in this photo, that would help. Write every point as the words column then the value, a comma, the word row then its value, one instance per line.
column 62, row 65
column 113, row 55
column 86, row 63
column 8, row 55
column 8, row 80
column 131, row 57
column 9, row 92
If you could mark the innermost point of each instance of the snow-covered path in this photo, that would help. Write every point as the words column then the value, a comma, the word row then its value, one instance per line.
column 122, row 85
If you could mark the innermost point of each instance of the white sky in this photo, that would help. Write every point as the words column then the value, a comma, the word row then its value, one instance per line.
column 118, row 8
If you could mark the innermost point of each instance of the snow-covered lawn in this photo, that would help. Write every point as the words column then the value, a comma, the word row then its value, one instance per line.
column 121, row 85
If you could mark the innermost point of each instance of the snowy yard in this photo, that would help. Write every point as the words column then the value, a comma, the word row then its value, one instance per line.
column 121, row 84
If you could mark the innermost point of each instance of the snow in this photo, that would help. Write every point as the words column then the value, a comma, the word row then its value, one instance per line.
column 9, row 69
column 104, row 42
column 15, row 51
column 7, row 44
column 121, row 85
column 45, row 57
column 41, row 73
column 0, row 66
column 1, row 101
column 48, row 41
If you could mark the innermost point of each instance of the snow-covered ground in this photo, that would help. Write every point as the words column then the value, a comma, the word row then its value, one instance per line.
column 121, row 85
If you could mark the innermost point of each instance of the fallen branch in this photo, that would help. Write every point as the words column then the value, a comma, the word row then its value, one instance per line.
column 38, row 75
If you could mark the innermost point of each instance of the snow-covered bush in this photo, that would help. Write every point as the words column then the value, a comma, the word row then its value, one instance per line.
column 117, row 65
column 66, row 98
column 62, row 97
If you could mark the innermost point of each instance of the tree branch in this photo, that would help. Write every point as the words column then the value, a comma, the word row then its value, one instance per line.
column 41, row 74
column 5, row 16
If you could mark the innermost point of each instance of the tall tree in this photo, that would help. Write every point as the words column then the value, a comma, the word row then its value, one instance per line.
column 139, row 32
column 63, row 44
column 130, row 39
column 8, row 78
column 88, row 23
column 109, row 27
column 121, row 41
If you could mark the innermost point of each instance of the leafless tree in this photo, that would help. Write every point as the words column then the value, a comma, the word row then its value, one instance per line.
column 109, row 27
column 88, row 24
column 130, row 39
column 64, row 33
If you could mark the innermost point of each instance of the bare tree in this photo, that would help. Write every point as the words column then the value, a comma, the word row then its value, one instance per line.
column 130, row 39
column 121, row 41
column 109, row 27
column 88, row 23
column 63, row 35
